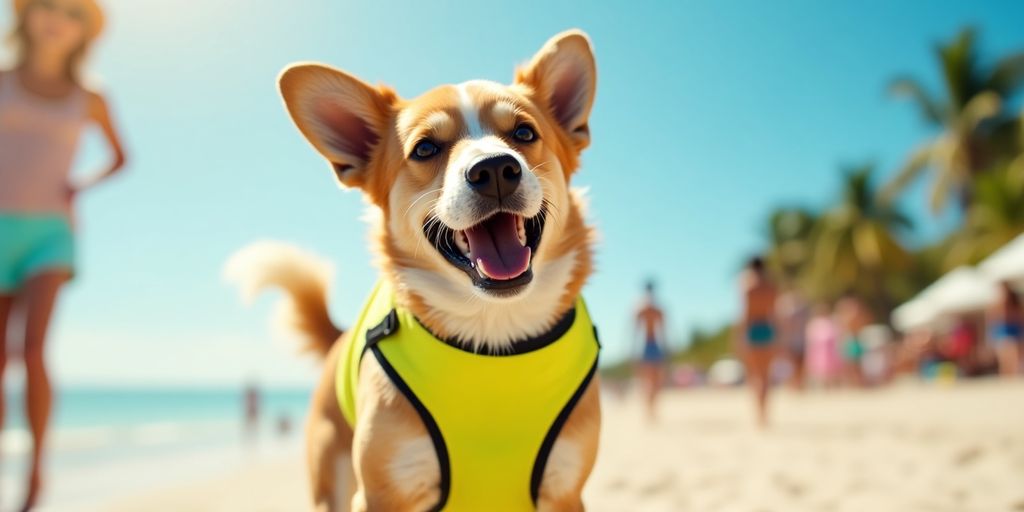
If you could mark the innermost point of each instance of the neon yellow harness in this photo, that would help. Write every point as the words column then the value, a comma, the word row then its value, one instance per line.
column 492, row 418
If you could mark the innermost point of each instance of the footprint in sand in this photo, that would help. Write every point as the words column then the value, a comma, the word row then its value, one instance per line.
column 616, row 484
column 664, row 483
column 967, row 456
column 788, row 485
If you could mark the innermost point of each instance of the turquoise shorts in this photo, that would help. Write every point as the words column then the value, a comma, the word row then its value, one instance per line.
column 760, row 334
column 33, row 243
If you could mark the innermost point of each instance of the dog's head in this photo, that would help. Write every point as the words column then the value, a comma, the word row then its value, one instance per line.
column 479, row 230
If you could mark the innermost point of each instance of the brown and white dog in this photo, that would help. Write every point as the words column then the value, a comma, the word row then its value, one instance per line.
column 463, row 181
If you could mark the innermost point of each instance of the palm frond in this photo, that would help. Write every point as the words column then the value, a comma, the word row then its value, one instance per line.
column 942, row 188
column 980, row 108
column 918, row 161
column 1008, row 75
column 959, row 65
column 931, row 109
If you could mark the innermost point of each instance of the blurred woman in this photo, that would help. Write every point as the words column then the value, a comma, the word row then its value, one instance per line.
column 44, row 108
column 1006, row 323
column 794, row 312
column 757, row 331
column 853, row 317
column 823, row 364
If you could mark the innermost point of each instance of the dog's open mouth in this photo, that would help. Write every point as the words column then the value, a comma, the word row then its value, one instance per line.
column 496, row 253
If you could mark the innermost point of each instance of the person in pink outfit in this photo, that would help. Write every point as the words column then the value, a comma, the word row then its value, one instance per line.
column 822, row 357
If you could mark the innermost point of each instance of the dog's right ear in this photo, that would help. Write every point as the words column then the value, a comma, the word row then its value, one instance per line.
column 341, row 116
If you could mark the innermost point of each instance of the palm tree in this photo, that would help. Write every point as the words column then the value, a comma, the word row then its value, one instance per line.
column 1015, row 170
column 970, row 116
column 790, row 235
column 996, row 217
column 856, row 246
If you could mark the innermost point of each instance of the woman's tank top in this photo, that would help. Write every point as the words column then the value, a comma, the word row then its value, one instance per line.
column 38, row 139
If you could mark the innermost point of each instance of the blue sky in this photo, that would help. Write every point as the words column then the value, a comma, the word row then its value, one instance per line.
column 708, row 114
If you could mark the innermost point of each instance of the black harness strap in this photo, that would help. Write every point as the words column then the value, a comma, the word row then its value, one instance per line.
column 440, row 447
column 386, row 327
column 541, row 461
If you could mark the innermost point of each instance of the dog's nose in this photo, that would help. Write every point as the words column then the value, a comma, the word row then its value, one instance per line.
column 496, row 177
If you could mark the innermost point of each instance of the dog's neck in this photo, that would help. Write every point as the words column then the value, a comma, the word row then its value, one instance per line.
column 454, row 311
column 486, row 324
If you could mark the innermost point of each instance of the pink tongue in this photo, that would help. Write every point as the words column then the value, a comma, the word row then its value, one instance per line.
column 494, row 244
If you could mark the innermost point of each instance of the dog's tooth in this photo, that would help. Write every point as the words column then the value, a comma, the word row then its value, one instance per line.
column 462, row 243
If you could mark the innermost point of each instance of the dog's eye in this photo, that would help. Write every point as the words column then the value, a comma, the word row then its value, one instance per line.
column 424, row 150
column 524, row 133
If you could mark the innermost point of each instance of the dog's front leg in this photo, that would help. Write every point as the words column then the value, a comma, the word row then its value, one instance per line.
column 329, row 444
column 572, row 456
column 394, row 458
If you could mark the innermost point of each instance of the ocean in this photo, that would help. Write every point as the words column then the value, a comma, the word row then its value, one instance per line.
column 107, row 441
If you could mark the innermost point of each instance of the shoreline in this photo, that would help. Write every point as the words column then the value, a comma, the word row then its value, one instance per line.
column 912, row 446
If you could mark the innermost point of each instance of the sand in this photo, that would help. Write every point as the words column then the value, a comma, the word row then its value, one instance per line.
column 911, row 447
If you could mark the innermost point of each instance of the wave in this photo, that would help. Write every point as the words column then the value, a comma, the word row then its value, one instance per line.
column 72, row 440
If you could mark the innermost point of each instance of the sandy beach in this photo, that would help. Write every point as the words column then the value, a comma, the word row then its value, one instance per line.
column 911, row 447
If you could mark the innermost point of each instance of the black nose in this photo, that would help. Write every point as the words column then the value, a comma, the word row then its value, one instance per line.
column 495, row 177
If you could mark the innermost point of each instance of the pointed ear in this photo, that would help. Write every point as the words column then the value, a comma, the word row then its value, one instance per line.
column 563, row 76
column 341, row 116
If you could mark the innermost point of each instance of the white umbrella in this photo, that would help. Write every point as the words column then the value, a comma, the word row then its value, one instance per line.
column 964, row 290
column 1006, row 264
column 914, row 314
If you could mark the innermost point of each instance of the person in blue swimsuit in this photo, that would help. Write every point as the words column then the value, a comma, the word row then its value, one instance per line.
column 1006, row 329
column 757, row 332
column 650, row 321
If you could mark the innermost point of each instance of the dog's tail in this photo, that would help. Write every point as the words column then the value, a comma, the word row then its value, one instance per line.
column 303, row 276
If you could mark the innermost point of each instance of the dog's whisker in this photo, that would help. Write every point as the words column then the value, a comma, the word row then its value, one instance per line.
column 432, row 219
column 418, row 199
column 551, row 209
column 538, row 166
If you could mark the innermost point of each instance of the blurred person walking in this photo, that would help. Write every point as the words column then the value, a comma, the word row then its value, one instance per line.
column 757, row 331
column 252, row 403
column 853, row 317
column 962, row 344
column 44, row 108
column 823, row 363
column 1006, row 326
column 794, row 312
column 650, row 322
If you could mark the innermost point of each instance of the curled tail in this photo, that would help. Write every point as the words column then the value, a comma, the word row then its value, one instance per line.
column 303, row 276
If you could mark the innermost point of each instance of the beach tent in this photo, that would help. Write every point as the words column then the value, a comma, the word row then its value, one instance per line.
column 963, row 290
column 914, row 314
column 1006, row 264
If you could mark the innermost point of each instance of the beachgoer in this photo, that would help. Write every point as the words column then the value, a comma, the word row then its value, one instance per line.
column 253, row 401
column 853, row 317
column 44, row 108
column 650, row 322
column 1006, row 329
column 823, row 364
column 757, row 331
column 793, row 313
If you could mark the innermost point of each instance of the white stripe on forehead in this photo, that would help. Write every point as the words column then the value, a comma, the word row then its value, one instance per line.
column 470, row 111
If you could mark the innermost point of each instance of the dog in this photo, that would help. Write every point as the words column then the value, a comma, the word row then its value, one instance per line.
column 468, row 382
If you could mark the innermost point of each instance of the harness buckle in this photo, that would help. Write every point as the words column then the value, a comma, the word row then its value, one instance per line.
column 386, row 327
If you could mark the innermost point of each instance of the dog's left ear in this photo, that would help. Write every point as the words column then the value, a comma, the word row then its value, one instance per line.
column 342, row 117
column 563, row 76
